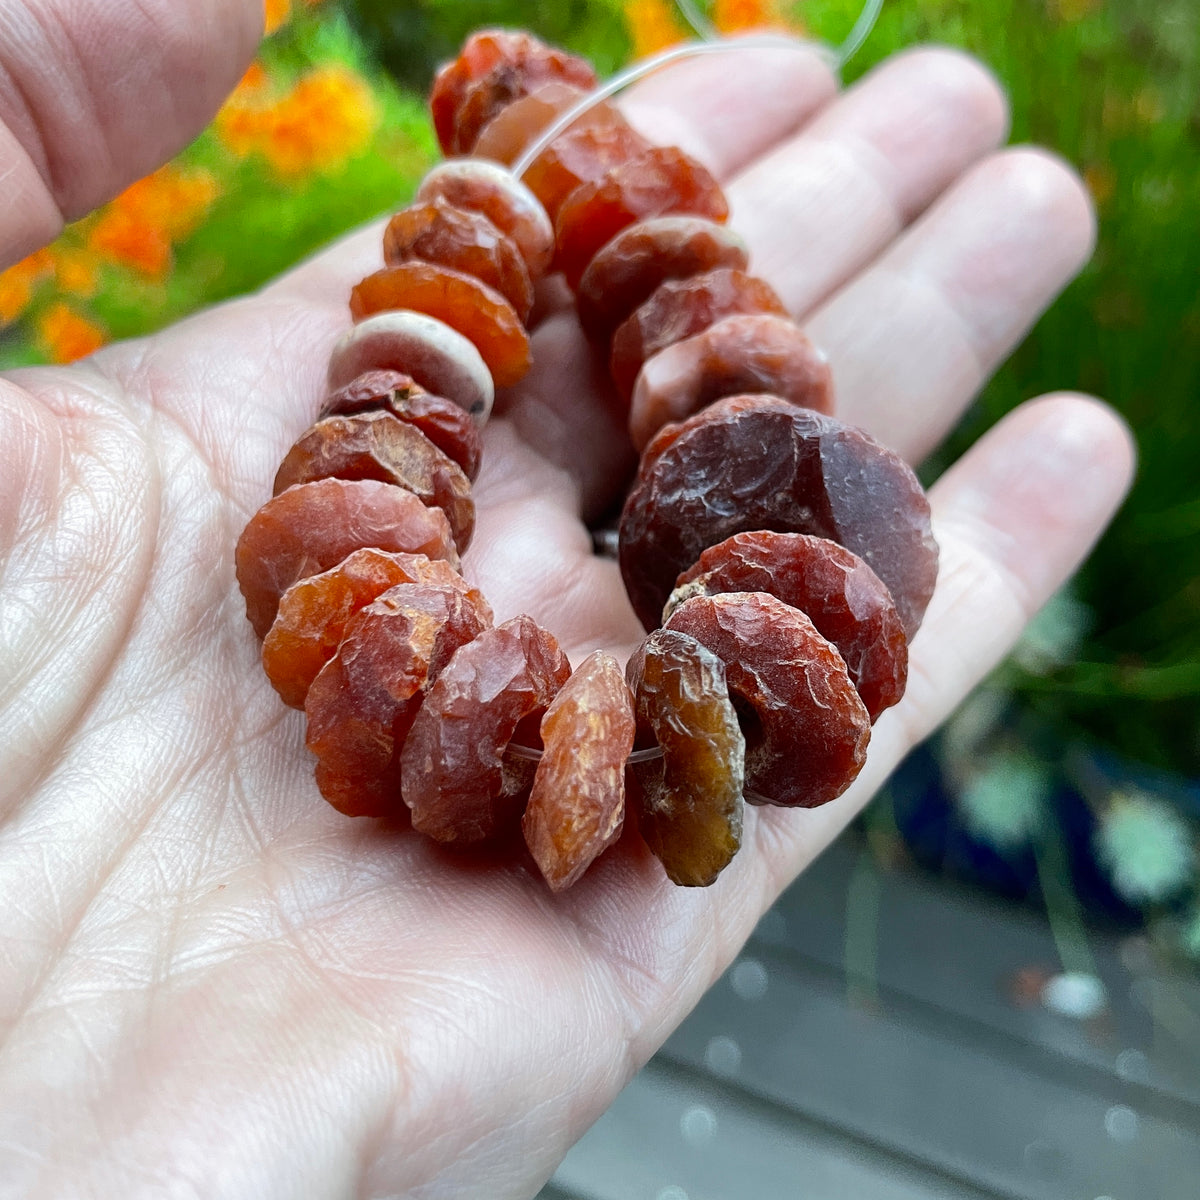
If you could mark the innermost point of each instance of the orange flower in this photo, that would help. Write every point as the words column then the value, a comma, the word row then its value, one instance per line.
column 66, row 336
column 277, row 12
column 653, row 26
column 738, row 16
column 139, row 227
column 327, row 118
column 18, row 282
column 75, row 271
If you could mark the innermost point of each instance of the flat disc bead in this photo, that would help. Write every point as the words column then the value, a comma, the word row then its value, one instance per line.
column 494, row 68
column 313, row 526
column 745, row 354
column 577, row 805
column 505, row 137
column 442, row 421
column 486, row 187
column 805, row 726
column 375, row 445
column 757, row 462
column 835, row 589
column 453, row 770
column 439, row 358
column 681, row 308
column 592, row 146
column 689, row 801
column 625, row 273
column 314, row 612
column 439, row 233
column 478, row 312
column 659, row 181
column 361, row 704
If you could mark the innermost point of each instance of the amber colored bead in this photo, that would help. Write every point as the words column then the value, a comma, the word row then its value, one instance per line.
column 577, row 805
column 505, row 137
column 740, row 355
column 477, row 311
column 442, row 421
column 689, row 802
column 375, row 445
column 486, row 187
column 439, row 233
column 314, row 612
column 839, row 593
column 658, row 181
column 313, row 526
column 757, row 462
column 805, row 726
column 592, row 146
column 625, row 273
column 361, row 704
column 681, row 308
column 494, row 68
column 453, row 768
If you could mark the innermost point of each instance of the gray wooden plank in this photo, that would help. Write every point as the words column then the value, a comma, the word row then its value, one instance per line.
column 673, row 1135
column 785, row 1032
column 955, row 950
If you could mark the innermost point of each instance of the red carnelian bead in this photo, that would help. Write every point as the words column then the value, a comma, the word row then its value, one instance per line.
column 375, row 445
column 453, row 769
column 313, row 613
column 681, row 308
column 660, row 180
column 592, row 146
column 479, row 313
column 626, row 272
column 361, row 705
column 442, row 421
column 313, row 526
column 510, row 131
column 464, row 241
column 841, row 595
column 740, row 355
column 577, row 805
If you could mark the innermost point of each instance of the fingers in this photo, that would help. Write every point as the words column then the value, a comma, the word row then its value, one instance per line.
column 918, row 333
column 821, row 206
column 1014, row 518
column 728, row 109
column 96, row 93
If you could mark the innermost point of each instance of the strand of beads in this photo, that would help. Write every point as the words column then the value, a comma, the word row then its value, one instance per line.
column 781, row 643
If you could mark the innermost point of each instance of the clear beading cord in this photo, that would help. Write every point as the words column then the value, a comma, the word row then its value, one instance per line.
column 712, row 44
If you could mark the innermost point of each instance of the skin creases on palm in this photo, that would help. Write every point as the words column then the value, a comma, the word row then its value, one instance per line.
column 210, row 975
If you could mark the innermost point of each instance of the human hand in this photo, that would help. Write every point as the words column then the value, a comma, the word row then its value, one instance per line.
column 216, row 985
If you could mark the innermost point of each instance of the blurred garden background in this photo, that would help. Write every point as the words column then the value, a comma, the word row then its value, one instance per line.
column 1073, row 778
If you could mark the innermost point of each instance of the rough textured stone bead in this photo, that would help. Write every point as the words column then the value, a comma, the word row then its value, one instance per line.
column 577, row 805
column 494, row 68
column 751, row 354
column 626, row 272
column 756, row 462
column 505, row 137
column 592, row 146
column 839, row 593
column 375, row 445
column 481, row 186
column 681, row 308
column 314, row 612
column 659, row 181
column 437, row 232
column 442, row 421
column 453, row 769
column 478, row 312
column 805, row 726
column 313, row 526
column 439, row 358
column 689, row 802
column 361, row 704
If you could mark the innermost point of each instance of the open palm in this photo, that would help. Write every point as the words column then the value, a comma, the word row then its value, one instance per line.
column 210, row 982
